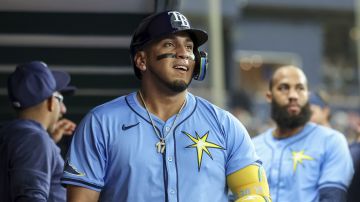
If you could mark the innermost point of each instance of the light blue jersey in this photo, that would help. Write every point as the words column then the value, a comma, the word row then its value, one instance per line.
column 299, row 166
column 113, row 152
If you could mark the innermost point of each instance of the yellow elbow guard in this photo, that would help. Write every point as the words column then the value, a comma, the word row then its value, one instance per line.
column 250, row 184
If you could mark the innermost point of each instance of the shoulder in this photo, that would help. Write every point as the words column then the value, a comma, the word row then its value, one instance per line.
column 324, row 132
column 110, row 106
column 223, row 116
column 332, row 141
column 205, row 105
column 26, row 136
column 24, row 128
column 226, row 122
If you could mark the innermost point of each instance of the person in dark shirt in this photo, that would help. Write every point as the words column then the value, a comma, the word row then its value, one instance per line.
column 353, row 193
column 30, row 161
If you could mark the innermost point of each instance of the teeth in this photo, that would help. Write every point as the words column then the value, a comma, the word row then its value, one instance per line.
column 181, row 67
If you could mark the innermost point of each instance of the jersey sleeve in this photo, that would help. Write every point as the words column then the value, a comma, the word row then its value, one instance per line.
column 85, row 163
column 30, row 167
column 337, row 167
column 241, row 151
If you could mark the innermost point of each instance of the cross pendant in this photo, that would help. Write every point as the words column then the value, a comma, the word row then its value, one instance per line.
column 160, row 146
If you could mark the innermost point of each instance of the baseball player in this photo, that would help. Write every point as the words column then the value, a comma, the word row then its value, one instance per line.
column 304, row 162
column 162, row 143
column 30, row 161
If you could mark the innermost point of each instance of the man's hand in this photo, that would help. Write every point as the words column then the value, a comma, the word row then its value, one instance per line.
column 62, row 127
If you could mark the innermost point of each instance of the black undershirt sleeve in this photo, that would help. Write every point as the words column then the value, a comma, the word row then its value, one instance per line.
column 332, row 194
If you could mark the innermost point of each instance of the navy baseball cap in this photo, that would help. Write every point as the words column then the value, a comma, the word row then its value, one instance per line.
column 159, row 25
column 316, row 99
column 68, row 90
column 33, row 82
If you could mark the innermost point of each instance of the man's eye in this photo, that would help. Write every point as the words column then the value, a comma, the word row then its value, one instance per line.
column 300, row 88
column 283, row 88
column 190, row 47
column 168, row 44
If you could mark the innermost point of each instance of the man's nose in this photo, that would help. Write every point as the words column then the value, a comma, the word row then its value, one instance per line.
column 63, row 108
column 183, row 53
column 293, row 94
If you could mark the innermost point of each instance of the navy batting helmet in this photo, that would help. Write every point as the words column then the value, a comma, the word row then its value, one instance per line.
column 162, row 24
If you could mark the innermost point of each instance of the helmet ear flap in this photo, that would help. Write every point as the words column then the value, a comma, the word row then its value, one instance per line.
column 201, row 64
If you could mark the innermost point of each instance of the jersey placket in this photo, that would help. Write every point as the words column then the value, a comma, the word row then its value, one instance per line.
column 169, row 159
column 275, row 175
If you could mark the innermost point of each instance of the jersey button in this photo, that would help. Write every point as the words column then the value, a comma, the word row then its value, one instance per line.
column 172, row 191
column 281, row 184
column 167, row 128
column 170, row 159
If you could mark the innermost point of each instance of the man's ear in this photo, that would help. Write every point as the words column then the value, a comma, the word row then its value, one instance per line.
column 50, row 102
column 140, row 60
column 268, row 96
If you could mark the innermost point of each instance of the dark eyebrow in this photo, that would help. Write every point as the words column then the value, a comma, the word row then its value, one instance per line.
column 172, row 36
column 300, row 85
column 283, row 84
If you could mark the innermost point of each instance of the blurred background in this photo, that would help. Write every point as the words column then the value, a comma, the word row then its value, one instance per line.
column 248, row 40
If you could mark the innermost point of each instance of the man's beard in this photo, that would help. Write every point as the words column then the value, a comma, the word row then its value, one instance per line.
column 286, row 121
column 176, row 86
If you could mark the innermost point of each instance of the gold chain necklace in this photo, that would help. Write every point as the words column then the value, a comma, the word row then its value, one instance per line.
column 160, row 146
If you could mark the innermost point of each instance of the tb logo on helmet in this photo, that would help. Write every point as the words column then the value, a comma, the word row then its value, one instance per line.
column 179, row 18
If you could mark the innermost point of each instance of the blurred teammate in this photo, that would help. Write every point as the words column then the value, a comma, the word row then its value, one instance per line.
column 304, row 162
column 353, row 193
column 162, row 143
column 30, row 163
column 320, row 110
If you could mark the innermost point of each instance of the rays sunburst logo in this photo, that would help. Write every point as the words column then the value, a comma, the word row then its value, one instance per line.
column 201, row 144
column 298, row 158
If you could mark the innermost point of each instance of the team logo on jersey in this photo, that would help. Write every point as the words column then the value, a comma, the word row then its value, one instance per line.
column 298, row 158
column 201, row 144
column 72, row 170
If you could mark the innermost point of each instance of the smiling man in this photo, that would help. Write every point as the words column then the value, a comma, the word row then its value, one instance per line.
column 304, row 162
column 162, row 143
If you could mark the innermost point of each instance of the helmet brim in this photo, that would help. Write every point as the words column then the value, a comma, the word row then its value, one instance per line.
column 200, row 36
